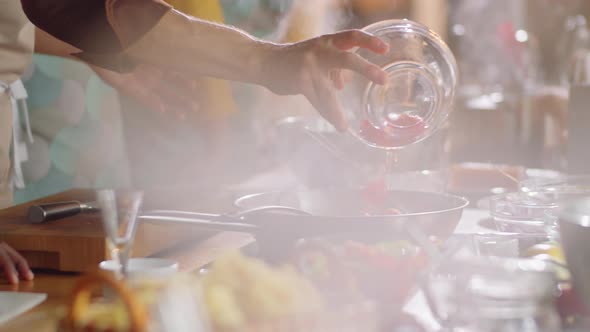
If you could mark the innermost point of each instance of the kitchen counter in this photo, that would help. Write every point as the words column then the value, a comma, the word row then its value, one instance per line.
column 191, row 256
column 58, row 286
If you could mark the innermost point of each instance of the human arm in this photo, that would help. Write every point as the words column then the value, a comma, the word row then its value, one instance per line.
column 182, row 43
column 307, row 67
column 151, row 86
column 49, row 45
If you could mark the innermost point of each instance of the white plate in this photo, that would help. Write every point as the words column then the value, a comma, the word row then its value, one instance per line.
column 13, row 304
column 145, row 267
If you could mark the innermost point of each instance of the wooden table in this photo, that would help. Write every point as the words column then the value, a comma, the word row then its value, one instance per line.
column 57, row 286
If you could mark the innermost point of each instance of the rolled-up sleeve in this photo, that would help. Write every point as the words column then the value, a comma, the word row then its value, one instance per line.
column 101, row 29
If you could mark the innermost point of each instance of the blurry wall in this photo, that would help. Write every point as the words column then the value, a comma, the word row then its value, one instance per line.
column 75, row 119
column 512, row 101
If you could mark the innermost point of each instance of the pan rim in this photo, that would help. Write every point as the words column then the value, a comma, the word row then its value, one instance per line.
column 460, row 202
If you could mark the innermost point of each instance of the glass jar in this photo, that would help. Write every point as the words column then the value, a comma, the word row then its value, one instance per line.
column 418, row 94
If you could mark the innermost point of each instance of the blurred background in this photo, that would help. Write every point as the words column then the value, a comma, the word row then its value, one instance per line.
column 518, row 61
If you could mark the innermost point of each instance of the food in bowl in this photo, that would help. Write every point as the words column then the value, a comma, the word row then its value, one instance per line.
column 383, row 271
column 401, row 131
column 238, row 293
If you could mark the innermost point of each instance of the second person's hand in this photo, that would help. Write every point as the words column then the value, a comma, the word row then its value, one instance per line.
column 159, row 89
column 14, row 265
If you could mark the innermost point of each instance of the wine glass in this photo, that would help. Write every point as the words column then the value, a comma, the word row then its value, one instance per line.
column 119, row 217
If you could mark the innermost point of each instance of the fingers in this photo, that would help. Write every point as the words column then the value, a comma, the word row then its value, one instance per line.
column 360, row 65
column 8, row 266
column 337, row 79
column 20, row 262
column 322, row 96
column 349, row 39
column 346, row 40
column 330, row 104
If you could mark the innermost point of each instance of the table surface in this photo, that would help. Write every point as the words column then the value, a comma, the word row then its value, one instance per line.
column 190, row 256
column 58, row 286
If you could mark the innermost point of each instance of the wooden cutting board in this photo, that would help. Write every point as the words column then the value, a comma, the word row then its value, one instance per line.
column 77, row 243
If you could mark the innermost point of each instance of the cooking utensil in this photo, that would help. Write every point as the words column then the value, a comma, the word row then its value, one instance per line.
column 239, row 222
column 434, row 213
column 574, row 227
column 53, row 211
column 309, row 213
column 279, row 219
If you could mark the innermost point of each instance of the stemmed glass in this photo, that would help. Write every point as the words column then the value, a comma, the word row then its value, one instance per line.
column 120, row 210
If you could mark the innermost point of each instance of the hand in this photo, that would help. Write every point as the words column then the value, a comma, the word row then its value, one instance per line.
column 14, row 265
column 156, row 88
column 313, row 68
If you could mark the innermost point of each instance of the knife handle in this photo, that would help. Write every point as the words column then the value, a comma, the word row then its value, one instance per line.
column 53, row 211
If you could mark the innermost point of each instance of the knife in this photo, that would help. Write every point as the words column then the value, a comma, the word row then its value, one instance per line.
column 53, row 211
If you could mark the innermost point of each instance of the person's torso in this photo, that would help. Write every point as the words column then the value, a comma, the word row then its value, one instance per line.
column 17, row 37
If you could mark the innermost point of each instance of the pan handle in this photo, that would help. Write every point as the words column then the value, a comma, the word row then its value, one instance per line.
column 218, row 222
column 190, row 214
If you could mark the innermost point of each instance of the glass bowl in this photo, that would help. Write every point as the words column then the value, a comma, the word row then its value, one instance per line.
column 531, row 212
column 571, row 184
column 562, row 190
column 521, row 212
column 418, row 94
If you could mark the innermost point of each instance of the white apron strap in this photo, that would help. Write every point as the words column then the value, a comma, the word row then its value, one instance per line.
column 18, row 102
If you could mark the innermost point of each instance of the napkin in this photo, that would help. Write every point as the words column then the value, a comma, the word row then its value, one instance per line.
column 13, row 304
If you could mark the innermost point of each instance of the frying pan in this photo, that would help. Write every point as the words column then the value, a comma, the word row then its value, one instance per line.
column 279, row 219
column 345, row 211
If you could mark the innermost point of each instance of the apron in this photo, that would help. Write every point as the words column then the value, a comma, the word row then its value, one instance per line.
column 16, row 48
